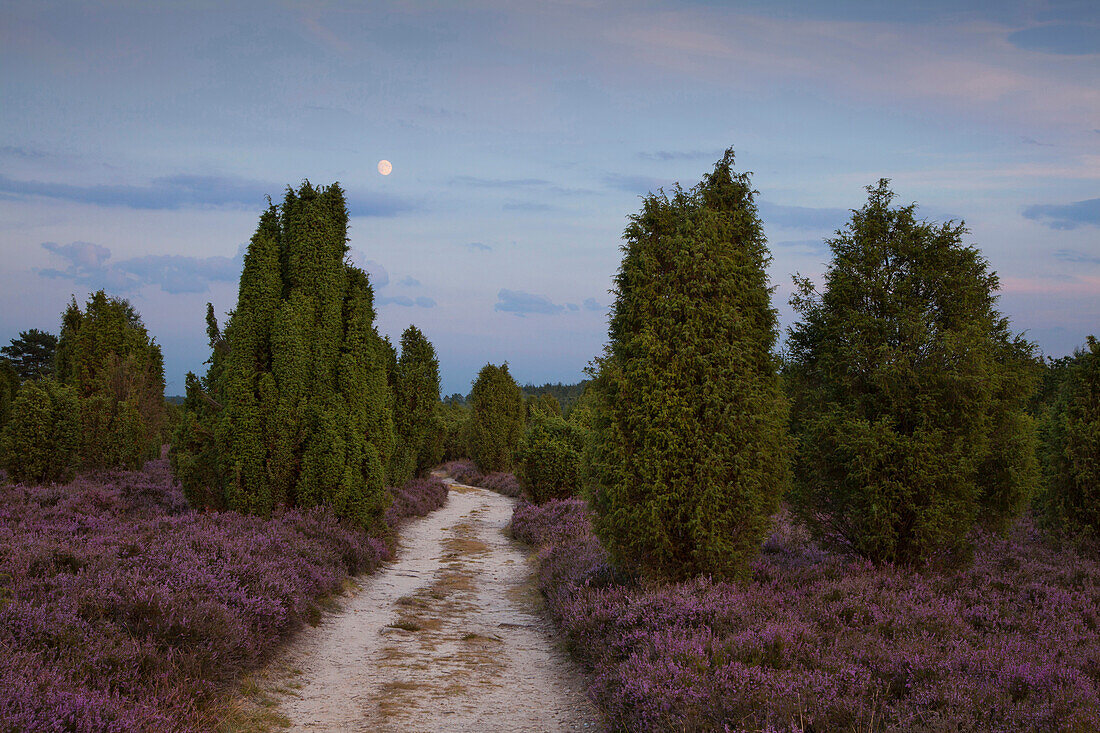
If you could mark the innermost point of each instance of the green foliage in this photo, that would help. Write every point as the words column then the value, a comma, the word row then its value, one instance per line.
column 457, row 427
column 31, row 355
column 909, row 391
column 296, row 407
column 416, row 397
column 1071, row 455
column 9, row 385
column 497, row 419
column 689, row 450
column 549, row 466
column 40, row 442
column 106, row 355
column 543, row 405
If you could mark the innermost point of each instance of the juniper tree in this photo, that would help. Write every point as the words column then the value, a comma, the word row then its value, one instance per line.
column 550, row 457
column 688, row 455
column 296, row 406
column 910, row 391
column 416, row 396
column 497, row 418
column 1071, row 454
column 40, row 442
column 105, row 353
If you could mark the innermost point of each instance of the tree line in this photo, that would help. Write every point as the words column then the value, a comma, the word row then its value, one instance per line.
column 903, row 413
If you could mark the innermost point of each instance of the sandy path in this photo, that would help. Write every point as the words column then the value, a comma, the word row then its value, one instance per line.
column 446, row 637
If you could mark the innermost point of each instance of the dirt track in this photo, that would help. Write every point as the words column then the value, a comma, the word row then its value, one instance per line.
column 446, row 637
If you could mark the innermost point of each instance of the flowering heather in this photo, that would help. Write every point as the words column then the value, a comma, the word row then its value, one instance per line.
column 467, row 472
column 123, row 610
column 818, row 641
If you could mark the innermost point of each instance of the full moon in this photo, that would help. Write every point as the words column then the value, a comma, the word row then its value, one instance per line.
column 384, row 167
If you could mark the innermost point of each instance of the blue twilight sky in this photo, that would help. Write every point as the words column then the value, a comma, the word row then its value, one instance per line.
column 138, row 140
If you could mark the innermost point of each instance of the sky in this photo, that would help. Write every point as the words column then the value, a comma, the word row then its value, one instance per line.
column 138, row 142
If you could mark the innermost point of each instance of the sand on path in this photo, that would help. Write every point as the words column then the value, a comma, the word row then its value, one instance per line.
column 446, row 637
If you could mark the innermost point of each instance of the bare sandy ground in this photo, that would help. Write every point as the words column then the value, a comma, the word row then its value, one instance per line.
column 447, row 637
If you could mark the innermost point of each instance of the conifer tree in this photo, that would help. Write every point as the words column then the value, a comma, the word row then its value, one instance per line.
column 688, row 456
column 497, row 418
column 40, row 442
column 31, row 354
column 911, row 391
column 296, row 407
column 9, row 383
column 416, row 396
column 1071, row 499
column 550, row 458
column 105, row 353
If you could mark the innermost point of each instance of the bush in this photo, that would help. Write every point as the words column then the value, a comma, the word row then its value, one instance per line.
column 910, row 393
column 688, row 456
column 497, row 419
column 550, row 459
column 40, row 443
column 1071, row 430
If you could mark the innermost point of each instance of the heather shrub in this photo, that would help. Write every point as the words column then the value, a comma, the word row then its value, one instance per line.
column 40, row 443
column 296, row 407
column 106, row 355
column 818, row 641
column 467, row 472
column 910, row 392
column 497, row 418
column 124, row 610
column 550, row 458
column 689, row 445
column 1071, row 500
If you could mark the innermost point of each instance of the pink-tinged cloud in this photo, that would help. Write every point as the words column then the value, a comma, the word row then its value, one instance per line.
column 1088, row 285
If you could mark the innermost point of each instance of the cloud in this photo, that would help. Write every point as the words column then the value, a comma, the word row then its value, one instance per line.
column 572, row 306
column 591, row 304
column 1065, row 216
column 17, row 151
column 379, row 278
column 1074, row 39
column 666, row 155
column 1032, row 141
column 802, row 246
column 475, row 182
column 409, row 282
column 525, row 206
column 802, row 217
column 405, row 301
column 521, row 303
column 635, row 184
column 188, row 191
column 1077, row 257
column 478, row 246
column 88, row 264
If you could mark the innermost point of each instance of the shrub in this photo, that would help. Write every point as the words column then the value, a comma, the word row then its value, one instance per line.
column 457, row 426
column 910, row 392
column 689, row 446
column 1071, row 498
column 550, row 459
column 40, row 442
column 497, row 418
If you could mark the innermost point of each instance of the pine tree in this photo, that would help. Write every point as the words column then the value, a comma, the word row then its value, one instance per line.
column 31, row 355
column 497, row 418
column 416, row 395
column 910, row 391
column 296, row 408
column 688, row 456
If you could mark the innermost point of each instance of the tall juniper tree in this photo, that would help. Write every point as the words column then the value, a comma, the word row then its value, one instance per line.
column 911, row 391
column 497, row 418
column 416, row 398
column 296, row 407
column 688, row 456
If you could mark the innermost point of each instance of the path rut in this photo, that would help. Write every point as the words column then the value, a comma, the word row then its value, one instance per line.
column 447, row 637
